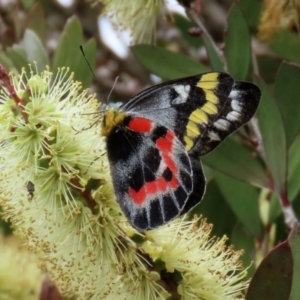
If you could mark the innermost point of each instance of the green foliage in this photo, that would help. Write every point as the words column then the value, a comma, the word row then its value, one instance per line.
column 242, row 165
column 174, row 65
column 66, row 54
column 278, row 275
column 286, row 45
column 267, row 282
column 248, row 173
column 274, row 141
column 239, row 167
column 286, row 86
column 237, row 44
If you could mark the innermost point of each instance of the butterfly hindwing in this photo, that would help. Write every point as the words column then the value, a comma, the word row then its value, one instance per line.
column 234, row 111
column 152, row 172
column 154, row 142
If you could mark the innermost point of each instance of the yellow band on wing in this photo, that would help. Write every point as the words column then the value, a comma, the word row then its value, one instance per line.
column 208, row 84
column 208, row 81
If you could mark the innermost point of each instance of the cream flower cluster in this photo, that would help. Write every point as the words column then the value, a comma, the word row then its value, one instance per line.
column 137, row 16
column 56, row 190
column 20, row 277
column 278, row 14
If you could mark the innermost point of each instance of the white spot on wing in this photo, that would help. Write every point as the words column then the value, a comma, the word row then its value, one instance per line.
column 234, row 94
column 213, row 136
column 236, row 105
column 222, row 124
column 183, row 92
column 233, row 116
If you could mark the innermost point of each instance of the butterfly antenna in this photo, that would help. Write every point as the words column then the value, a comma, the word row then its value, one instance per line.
column 116, row 80
column 85, row 58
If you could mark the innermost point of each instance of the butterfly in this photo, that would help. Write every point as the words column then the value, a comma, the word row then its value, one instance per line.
column 154, row 142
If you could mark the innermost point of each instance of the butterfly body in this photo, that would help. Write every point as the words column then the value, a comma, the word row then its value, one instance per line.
column 154, row 142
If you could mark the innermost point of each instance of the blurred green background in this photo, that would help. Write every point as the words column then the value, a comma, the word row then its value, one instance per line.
column 254, row 170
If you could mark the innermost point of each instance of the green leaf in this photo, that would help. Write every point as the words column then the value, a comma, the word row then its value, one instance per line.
column 294, row 241
column 243, row 200
column 268, row 67
column 215, row 56
column 5, row 61
column 293, row 181
column 252, row 12
column 67, row 53
column 287, row 45
column 293, row 169
column 183, row 24
column 208, row 173
column 273, row 278
column 223, row 218
column 166, row 64
column 27, row 3
column 287, row 94
column 236, row 161
column 296, row 205
column 237, row 44
column 273, row 138
column 36, row 20
column 18, row 57
column 275, row 208
column 35, row 50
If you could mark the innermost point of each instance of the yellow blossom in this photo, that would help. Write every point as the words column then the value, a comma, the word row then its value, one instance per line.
column 20, row 277
column 209, row 269
column 137, row 16
column 279, row 14
column 72, row 220
column 56, row 190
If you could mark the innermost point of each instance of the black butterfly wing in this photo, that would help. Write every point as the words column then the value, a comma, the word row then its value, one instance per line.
column 153, row 185
column 202, row 110
column 153, row 175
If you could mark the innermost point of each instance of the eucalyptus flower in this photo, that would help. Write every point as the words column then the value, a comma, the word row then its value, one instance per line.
column 208, row 269
column 20, row 276
column 278, row 15
column 137, row 16
column 56, row 190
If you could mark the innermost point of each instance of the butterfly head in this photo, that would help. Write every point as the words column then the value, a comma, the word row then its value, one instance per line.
column 112, row 117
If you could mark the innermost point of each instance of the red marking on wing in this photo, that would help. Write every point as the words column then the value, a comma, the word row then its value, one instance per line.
column 162, row 184
column 165, row 145
column 140, row 125
column 137, row 197
column 170, row 135
column 150, row 189
column 169, row 162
